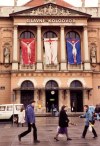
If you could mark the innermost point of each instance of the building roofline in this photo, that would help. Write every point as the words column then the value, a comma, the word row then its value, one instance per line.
column 69, row 5
column 13, row 14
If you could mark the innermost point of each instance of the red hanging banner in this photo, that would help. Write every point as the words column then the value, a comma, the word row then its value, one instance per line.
column 28, row 51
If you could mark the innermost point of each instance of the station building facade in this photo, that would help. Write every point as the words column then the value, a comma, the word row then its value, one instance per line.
column 50, row 52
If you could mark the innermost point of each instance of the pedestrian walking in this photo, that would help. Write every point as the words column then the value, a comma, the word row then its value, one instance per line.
column 30, row 119
column 54, row 109
column 63, row 123
column 21, row 117
column 97, row 112
column 88, row 122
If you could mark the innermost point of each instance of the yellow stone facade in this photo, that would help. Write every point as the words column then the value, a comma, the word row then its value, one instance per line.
column 87, row 74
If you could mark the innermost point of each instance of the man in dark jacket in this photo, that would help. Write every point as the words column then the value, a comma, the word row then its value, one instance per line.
column 30, row 119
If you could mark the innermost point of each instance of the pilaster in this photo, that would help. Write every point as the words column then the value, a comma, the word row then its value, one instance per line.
column 86, row 50
column 63, row 50
column 15, row 49
column 39, row 49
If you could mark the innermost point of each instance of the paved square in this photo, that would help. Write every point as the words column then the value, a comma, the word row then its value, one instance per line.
column 47, row 127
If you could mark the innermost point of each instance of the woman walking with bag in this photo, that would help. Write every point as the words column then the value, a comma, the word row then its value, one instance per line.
column 63, row 123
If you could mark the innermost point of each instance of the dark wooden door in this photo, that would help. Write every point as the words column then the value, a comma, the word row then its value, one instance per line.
column 26, row 96
column 76, row 98
column 51, row 99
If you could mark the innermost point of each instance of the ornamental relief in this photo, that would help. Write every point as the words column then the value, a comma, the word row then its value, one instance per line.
column 51, row 10
column 7, row 42
column 93, row 53
column 93, row 40
column 92, row 32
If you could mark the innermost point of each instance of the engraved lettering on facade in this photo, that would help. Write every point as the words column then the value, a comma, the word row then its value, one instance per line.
column 50, row 20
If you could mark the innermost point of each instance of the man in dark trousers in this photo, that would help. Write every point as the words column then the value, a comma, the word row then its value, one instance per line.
column 30, row 119
column 89, row 120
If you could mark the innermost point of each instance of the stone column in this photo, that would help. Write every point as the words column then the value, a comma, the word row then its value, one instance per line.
column 98, row 51
column 15, row 49
column 63, row 49
column 86, row 50
column 39, row 49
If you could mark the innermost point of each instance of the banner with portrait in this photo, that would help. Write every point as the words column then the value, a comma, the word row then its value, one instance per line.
column 51, row 45
column 28, row 51
column 73, row 51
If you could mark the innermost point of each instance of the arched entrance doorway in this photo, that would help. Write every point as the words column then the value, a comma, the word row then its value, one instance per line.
column 51, row 91
column 76, row 96
column 27, row 92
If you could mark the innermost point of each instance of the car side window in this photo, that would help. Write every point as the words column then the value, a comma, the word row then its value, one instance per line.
column 18, row 107
column 9, row 108
column 2, row 108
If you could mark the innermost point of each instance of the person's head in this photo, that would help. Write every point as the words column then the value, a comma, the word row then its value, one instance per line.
column 97, row 105
column 32, row 102
column 63, row 108
column 22, row 108
column 86, row 107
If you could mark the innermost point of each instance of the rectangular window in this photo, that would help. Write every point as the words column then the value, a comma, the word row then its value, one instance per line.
column 9, row 108
column 18, row 107
column 2, row 108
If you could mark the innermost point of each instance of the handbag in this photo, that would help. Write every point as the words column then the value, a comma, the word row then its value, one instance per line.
column 90, row 128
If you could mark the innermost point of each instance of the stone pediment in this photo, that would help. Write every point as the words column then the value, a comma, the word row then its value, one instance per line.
column 50, row 9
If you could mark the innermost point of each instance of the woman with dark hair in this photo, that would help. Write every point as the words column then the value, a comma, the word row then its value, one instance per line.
column 63, row 123
column 21, row 117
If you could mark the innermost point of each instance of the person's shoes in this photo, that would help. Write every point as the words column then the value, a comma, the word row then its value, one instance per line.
column 56, row 139
column 36, row 141
column 69, row 139
column 95, row 136
column 19, row 137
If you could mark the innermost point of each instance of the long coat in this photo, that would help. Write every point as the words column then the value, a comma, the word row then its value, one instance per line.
column 63, row 119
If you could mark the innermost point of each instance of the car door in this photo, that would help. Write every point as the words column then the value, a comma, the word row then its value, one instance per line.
column 9, row 111
column 2, row 112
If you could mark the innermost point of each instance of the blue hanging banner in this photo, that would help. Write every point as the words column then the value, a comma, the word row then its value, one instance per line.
column 73, row 51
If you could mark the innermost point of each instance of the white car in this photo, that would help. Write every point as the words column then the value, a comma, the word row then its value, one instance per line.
column 10, row 111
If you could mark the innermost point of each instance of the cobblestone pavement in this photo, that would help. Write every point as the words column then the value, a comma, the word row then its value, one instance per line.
column 47, row 127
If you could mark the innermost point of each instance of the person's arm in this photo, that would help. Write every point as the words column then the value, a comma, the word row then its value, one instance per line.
column 83, row 116
column 70, row 43
column 66, row 118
